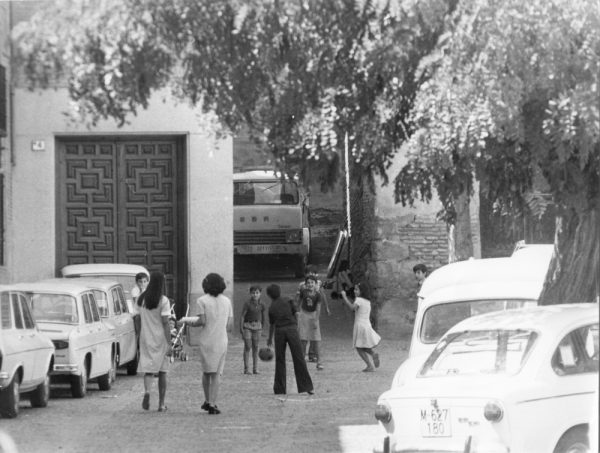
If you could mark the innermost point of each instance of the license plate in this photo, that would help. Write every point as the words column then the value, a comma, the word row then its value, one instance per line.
column 435, row 422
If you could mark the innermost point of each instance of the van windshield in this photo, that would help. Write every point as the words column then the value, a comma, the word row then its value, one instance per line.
column 265, row 192
column 439, row 318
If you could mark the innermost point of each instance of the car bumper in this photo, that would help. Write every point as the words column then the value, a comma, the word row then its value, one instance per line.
column 270, row 249
column 470, row 445
column 65, row 368
column 4, row 379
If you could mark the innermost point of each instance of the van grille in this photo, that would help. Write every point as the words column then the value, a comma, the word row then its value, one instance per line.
column 259, row 237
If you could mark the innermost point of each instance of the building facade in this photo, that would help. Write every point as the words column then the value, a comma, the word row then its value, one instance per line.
column 156, row 191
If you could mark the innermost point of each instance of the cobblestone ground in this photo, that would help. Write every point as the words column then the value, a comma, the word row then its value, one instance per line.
column 338, row 418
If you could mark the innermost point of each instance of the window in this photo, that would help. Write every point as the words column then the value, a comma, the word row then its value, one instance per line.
column 122, row 300
column 102, row 301
column 16, row 311
column 480, row 352
column 29, row 323
column 5, row 311
column 3, row 103
column 87, row 311
column 116, row 301
column 577, row 352
column 1, row 220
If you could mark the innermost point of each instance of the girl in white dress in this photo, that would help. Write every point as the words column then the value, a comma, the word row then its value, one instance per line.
column 364, row 337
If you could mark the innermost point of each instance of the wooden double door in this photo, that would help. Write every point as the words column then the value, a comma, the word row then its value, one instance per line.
column 121, row 200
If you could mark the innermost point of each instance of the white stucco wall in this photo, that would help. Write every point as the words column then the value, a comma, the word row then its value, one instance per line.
column 39, row 116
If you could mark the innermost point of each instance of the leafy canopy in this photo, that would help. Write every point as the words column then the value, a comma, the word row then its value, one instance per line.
column 514, row 90
column 298, row 74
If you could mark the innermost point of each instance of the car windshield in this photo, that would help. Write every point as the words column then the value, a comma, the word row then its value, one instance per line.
column 265, row 192
column 54, row 308
column 438, row 319
column 480, row 352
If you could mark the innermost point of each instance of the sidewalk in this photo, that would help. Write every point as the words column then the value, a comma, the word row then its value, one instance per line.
column 338, row 418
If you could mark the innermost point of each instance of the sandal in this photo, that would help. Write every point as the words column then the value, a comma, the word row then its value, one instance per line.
column 146, row 401
column 162, row 409
column 368, row 370
column 205, row 406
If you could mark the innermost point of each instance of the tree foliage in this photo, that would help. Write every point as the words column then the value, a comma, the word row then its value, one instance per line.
column 298, row 74
column 513, row 88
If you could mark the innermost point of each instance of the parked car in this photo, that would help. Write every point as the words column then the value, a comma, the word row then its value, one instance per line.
column 67, row 312
column 467, row 288
column 26, row 355
column 123, row 273
column 519, row 381
column 114, row 312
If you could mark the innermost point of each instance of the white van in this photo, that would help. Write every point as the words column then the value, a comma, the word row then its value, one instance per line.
column 467, row 288
column 271, row 218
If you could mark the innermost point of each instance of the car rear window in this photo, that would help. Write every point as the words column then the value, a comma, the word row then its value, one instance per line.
column 480, row 352
column 54, row 308
column 438, row 319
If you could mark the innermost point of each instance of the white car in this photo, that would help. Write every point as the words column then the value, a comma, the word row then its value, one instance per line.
column 26, row 355
column 122, row 273
column 519, row 381
column 467, row 288
column 67, row 312
column 114, row 312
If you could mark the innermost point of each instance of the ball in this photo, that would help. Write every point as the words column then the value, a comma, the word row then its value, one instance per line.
column 265, row 354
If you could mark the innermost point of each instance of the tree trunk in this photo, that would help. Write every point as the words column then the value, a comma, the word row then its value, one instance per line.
column 460, row 241
column 574, row 273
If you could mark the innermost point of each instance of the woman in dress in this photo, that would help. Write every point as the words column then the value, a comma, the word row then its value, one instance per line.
column 215, row 316
column 155, row 338
column 364, row 337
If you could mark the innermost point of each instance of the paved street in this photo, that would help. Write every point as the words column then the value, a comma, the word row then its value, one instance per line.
column 338, row 418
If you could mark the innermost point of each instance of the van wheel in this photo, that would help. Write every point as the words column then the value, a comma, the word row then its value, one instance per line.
column 573, row 441
column 10, row 399
column 79, row 384
column 40, row 396
column 299, row 266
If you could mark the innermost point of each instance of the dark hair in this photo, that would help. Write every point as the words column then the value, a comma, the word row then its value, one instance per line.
column 154, row 291
column 365, row 293
column 140, row 275
column 273, row 291
column 255, row 288
column 213, row 284
column 312, row 277
column 420, row 267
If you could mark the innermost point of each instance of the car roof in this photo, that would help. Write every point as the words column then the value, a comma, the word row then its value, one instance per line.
column 91, row 282
column 530, row 269
column 54, row 286
column 102, row 269
column 548, row 318
column 484, row 291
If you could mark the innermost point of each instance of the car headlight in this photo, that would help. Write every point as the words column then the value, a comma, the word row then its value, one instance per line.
column 383, row 412
column 293, row 236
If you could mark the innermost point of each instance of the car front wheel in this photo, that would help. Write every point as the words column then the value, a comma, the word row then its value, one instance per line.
column 41, row 395
column 573, row 441
column 10, row 399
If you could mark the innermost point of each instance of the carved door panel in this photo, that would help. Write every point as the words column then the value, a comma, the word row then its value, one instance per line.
column 118, row 202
